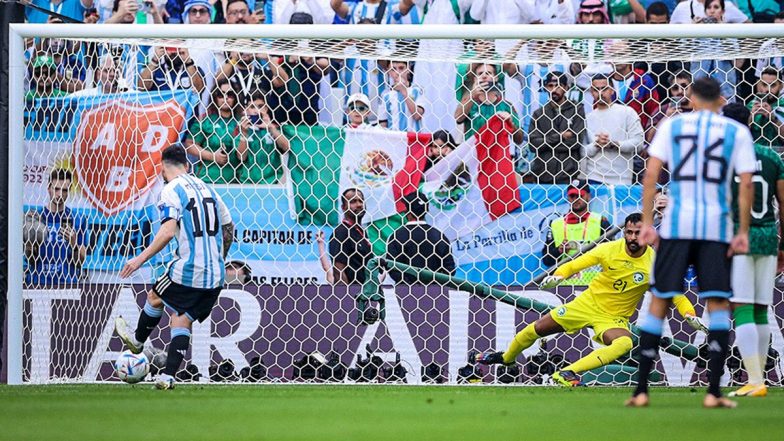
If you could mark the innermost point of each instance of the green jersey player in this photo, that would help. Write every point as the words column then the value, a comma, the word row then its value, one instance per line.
column 753, row 274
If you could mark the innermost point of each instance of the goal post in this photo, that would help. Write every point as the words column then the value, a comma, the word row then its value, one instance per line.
column 290, row 307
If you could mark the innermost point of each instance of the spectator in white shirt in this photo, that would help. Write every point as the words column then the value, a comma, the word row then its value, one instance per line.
column 693, row 11
column 403, row 104
column 614, row 136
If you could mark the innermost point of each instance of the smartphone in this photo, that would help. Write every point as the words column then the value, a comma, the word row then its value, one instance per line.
column 258, row 8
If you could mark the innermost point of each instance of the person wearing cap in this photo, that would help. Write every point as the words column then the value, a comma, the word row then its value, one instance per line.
column 486, row 99
column 358, row 111
column 577, row 227
column 556, row 135
column 44, row 79
column 615, row 136
column 418, row 244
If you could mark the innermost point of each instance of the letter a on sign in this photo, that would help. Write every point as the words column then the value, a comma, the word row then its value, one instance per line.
column 135, row 135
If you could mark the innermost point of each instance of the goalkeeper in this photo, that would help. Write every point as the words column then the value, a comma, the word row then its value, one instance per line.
column 607, row 304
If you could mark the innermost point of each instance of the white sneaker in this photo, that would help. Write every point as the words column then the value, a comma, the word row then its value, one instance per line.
column 121, row 328
column 164, row 382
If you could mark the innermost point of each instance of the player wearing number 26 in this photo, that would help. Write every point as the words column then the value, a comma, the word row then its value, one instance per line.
column 704, row 150
column 195, row 215
column 606, row 305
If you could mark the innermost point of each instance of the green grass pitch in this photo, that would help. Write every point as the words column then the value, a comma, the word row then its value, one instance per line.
column 401, row 413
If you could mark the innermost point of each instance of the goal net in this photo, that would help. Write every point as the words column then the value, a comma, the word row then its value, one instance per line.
column 497, row 136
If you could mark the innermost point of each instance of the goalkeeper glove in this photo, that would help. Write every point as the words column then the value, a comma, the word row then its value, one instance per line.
column 550, row 282
column 696, row 323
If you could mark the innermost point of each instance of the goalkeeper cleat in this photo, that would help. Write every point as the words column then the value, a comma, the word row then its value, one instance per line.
column 714, row 402
column 121, row 328
column 164, row 382
column 696, row 323
column 488, row 358
column 567, row 379
column 751, row 390
column 639, row 400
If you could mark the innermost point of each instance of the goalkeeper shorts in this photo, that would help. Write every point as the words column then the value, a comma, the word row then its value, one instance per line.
column 195, row 303
column 582, row 313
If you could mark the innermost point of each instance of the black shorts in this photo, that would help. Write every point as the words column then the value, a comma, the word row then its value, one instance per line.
column 710, row 261
column 195, row 303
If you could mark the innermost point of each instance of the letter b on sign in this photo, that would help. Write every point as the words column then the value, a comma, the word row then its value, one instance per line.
column 119, row 178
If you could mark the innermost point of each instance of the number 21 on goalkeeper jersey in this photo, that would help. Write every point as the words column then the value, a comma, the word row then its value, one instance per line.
column 199, row 213
column 702, row 150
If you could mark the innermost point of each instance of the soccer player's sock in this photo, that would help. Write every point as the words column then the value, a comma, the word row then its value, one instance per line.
column 718, row 338
column 181, row 340
column 763, row 334
column 148, row 320
column 602, row 356
column 522, row 341
column 747, row 340
column 650, row 334
column 684, row 305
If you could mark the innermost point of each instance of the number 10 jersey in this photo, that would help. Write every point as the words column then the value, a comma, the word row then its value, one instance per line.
column 703, row 151
column 199, row 213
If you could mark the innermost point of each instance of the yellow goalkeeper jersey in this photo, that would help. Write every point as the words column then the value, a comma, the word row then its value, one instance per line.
column 618, row 288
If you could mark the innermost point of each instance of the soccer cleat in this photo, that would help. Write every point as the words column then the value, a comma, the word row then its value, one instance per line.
column 714, row 402
column 121, row 328
column 696, row 323
column 488, row 358
column 164, row 382
column 567, row 379
column 751, row 390
column 639, row 400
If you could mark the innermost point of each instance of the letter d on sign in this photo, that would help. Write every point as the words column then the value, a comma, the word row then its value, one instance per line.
column 119, row 178
column 154, row 139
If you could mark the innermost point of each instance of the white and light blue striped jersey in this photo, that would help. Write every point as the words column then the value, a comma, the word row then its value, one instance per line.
column 702, row 150
column 363, row 76
column 392, row 15
column 394, row 111
column 199, row 213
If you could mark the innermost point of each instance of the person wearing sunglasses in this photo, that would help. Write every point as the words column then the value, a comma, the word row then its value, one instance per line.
column 358, row 111
column 215, row 142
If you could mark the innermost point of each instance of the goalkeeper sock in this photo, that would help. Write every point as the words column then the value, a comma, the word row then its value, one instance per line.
column 602, row 356
column 181, row 340
column 718, row 338
column 650, row 334
column 763, row 334
column 747, row 340
column 522, row 341
column 148, row 320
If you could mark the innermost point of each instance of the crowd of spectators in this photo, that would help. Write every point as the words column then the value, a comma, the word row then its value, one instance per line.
column 571, row 120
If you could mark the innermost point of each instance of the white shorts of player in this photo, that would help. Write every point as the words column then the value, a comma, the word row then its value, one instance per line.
column 753, row 279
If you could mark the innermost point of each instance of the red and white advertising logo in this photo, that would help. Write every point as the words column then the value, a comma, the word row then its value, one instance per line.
column 117, row 151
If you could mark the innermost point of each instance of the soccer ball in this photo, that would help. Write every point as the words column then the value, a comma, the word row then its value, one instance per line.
column 131, row 368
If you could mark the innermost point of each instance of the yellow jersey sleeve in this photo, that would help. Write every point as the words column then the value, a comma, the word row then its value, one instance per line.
column 596, row 256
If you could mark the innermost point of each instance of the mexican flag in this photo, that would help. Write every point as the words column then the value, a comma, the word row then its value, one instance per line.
column 475, row 184
column 324, row 161
column 471, row 187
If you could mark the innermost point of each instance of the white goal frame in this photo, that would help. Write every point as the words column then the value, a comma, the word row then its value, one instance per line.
column 17, row 66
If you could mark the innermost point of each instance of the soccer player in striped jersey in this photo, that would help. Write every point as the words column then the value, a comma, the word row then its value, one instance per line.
column 703, row 150
column 194, row 215
column 754, row 274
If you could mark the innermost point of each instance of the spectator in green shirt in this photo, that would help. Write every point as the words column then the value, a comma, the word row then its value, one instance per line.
column 215, row 140
column 767, row 110
column 486, row 99
column 44, row 76
column 261, row 163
